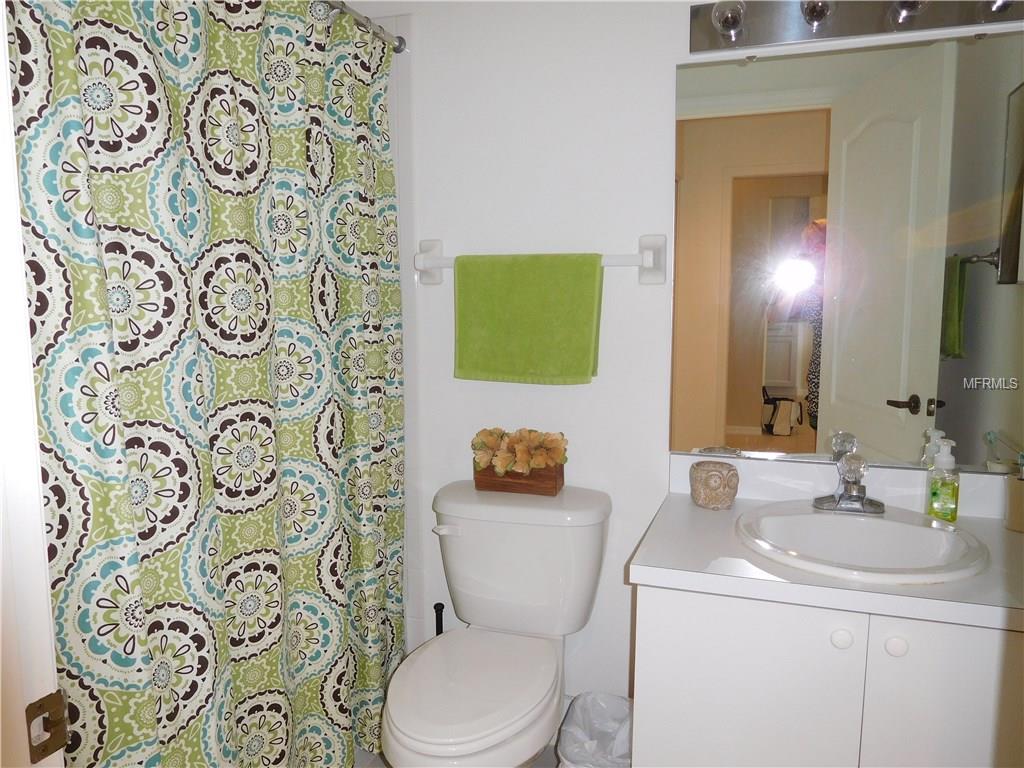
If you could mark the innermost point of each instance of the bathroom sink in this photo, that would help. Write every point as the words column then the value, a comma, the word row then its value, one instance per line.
column 897, row 547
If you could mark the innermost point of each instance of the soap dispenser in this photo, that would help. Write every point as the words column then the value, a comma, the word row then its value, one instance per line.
column 944, row 483
column 931, row 446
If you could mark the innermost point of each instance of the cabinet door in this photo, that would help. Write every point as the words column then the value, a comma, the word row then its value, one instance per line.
column 943, row 695
column 722, row 681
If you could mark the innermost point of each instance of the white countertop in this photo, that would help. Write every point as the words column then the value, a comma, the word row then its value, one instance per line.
column 694, row 549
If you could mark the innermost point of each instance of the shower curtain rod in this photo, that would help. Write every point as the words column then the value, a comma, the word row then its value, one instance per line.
column 397, row 42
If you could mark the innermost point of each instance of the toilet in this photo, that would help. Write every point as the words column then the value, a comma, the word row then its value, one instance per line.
column 522, row 571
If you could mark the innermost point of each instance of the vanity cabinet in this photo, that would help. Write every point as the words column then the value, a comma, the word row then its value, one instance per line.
column 729, row 681
column 942, row 694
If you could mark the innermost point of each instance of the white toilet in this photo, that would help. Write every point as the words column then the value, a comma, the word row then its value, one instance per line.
column 522, row 572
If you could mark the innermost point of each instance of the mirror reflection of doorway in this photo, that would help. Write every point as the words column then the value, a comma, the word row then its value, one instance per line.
column 777, row 265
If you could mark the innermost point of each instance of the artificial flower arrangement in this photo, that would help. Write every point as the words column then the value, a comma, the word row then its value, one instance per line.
column 504, row 460
column 518, row 451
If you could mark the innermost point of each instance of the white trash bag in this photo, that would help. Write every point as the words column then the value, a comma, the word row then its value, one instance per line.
column 596, row 732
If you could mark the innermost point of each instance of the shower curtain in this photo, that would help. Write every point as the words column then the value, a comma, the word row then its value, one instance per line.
column 209, row 220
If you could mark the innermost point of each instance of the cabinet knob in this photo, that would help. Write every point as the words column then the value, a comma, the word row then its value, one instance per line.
column 842, row 639
column 896, row 646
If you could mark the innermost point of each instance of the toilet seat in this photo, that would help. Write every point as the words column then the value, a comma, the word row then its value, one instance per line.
column 470, row 689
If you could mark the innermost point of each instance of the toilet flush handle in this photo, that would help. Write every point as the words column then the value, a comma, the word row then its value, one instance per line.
column 447, row 530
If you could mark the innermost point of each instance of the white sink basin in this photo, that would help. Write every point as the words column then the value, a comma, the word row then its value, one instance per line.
column 898, row 547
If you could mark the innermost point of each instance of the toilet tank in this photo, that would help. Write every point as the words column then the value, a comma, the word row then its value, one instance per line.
column 522, row 563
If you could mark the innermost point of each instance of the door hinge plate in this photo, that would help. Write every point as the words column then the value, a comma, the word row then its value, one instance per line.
column 53, row 709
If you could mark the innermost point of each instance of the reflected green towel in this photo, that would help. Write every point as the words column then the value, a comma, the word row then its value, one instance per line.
column 951, row 344
column 532, row 319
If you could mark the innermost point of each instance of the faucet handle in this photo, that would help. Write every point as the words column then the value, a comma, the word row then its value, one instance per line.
column 852, row 468
column 843, row 443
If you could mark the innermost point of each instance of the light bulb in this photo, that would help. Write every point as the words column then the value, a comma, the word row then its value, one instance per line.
column 792, row 276
column 727, row 18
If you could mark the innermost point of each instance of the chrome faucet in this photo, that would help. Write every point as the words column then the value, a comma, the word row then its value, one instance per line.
column 850, row 496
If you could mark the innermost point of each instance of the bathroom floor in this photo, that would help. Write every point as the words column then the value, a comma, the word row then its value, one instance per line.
column 547, row 759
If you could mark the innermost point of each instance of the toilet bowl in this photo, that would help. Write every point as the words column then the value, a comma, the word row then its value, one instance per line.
column 474, row 697
column 522, row 571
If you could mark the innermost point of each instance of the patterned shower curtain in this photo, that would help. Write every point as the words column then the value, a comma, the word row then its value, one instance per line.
column 209, row 221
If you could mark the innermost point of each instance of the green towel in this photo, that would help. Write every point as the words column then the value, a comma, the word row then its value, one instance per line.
column 532, row 319
column 951, row 344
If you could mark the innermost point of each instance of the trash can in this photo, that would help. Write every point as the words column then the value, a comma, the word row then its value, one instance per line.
column 596, row 732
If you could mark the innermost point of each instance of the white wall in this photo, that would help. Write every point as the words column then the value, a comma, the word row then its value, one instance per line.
column 987, row 71
column 541, row 127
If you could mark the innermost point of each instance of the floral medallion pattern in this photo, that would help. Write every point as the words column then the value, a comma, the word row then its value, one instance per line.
column 163, row 481
column 176, row 31
column 179, row 203
column 103, row 599
column 121, row 91
column 312, row 626
column 283, row 221
column 234, row 295
column 252, row 602
column 189, row 388
column 307, row 503
column 282, row 78
column 244, row 459
column 80, row 404
column 181, row 659
column 66, row 509
column 216, row 338
column 231, row 143
column 148, row 296
column 49, row 292
column 31, row 65
column 315, row 745
column 299, row 369
column 53, row 168
column 263, row 729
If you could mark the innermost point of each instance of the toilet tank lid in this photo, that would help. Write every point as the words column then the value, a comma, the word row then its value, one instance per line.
column 572, row 507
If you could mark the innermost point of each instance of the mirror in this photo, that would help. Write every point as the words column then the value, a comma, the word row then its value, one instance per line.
column 828, row 207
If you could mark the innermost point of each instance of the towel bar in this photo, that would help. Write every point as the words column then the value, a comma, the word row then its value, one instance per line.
column 650, row 260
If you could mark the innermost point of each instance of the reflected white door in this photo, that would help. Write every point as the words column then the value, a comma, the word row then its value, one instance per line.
column 29, row 669
column 888, row 200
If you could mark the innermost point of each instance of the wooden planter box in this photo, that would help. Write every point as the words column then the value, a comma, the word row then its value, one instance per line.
column 540, row 482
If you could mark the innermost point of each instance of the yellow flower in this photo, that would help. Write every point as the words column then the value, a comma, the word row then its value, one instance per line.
column 551, row 439
column 488, row 438
column 522, row 464
column 540, row 459
column 482, row 458
column 555, row 443
column 502, row 460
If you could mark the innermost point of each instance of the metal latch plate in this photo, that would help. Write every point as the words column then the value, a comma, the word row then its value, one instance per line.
column 53, row 709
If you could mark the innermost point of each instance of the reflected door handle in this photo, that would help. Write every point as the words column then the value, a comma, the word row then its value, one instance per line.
column 934, row 403
column 912, row 404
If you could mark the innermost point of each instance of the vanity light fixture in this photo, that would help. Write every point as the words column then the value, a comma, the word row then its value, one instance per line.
column 734, row 25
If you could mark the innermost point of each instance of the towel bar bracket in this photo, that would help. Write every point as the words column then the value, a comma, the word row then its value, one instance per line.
column 650, row 260
column 429, row 261
column 989, row 258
